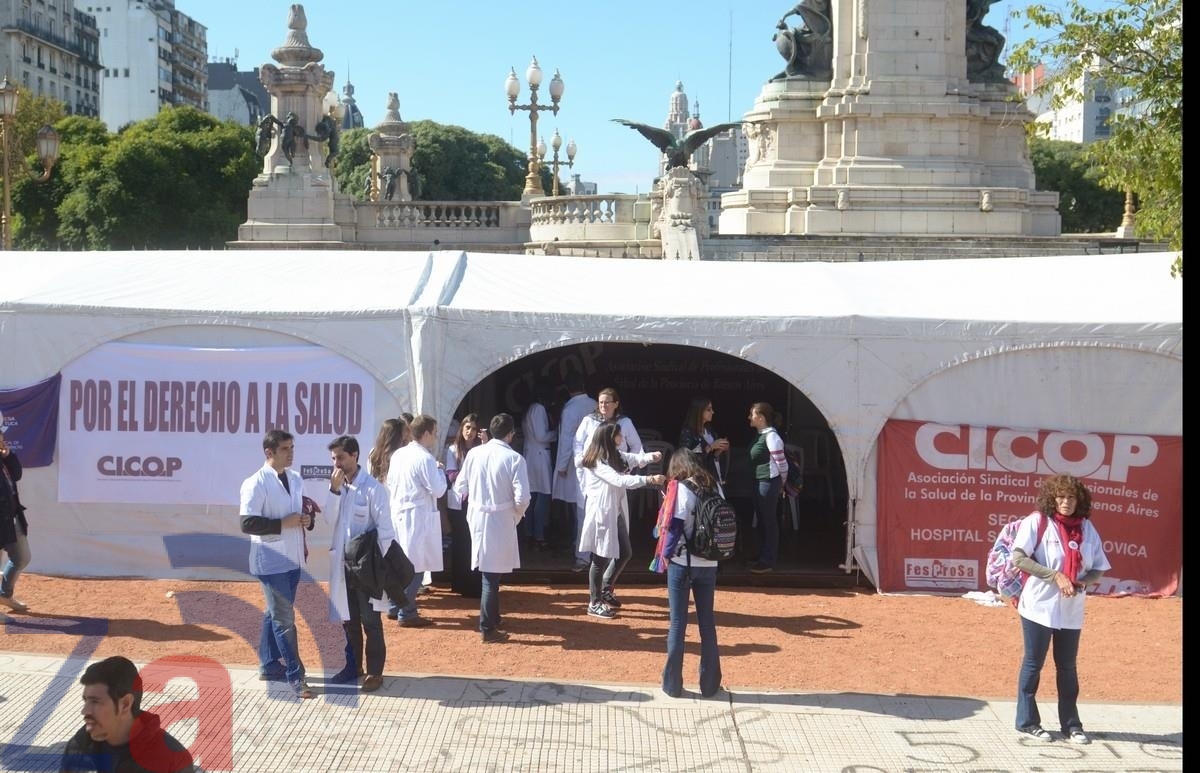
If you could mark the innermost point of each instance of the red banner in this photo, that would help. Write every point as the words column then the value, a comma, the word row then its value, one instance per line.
column 946, row 489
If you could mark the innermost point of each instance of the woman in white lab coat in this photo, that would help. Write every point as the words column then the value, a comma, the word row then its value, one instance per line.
column 605, row 531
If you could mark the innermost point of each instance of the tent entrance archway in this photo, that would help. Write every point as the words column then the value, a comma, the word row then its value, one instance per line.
column 656, row 382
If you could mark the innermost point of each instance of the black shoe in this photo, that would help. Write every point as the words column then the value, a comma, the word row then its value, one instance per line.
column 608, row 598
column 416, row 622
column 761, row 568
column 494, row 636
column 1035, row 732
column 347, row 675
column 393, row 615
column 272, row 676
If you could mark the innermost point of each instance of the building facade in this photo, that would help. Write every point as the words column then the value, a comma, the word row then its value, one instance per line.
column 235, row 95
column 51, row 49
column 153, row 57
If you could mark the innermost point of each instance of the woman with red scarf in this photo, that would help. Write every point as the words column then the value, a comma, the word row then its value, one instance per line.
column 1068, row 557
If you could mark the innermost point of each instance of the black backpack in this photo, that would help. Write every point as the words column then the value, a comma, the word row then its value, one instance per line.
column 714, row 531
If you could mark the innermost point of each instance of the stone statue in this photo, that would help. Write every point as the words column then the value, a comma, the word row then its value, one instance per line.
column 984, row 45
column 367, row 180
column 291, row 134
column 264, row 134
column 388, row 176
column 678, row 151
column 326, row 131
column 808, row 49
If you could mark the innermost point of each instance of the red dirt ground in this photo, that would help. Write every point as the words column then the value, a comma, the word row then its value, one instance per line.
column 770, row 638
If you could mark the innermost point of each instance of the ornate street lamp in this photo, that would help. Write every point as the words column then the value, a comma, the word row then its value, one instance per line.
column 512, row 88
column 47, row 149
column 556, row 145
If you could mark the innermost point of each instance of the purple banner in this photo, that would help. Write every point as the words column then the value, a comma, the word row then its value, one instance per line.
column 30, row 422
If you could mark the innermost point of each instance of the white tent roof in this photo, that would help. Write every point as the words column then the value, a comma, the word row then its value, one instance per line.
column 956, row 341
column 290, row 281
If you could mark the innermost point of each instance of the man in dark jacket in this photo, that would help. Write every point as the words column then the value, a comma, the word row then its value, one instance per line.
column 117, row 735
column 14, row 529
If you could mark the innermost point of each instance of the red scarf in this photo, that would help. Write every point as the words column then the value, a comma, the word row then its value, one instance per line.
column 1070, row 535
column 663, row 527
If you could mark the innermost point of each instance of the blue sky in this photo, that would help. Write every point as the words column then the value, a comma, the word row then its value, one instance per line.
column 448, row 63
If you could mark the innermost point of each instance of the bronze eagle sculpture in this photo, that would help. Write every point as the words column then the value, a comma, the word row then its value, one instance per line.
column 677, row 150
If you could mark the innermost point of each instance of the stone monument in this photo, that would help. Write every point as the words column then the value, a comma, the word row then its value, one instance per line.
column 889, row 119
column 392, row 148
column 292, row 199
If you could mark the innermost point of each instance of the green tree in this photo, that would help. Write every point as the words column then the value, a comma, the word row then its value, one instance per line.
column 1135, row 48
column 1086, row 206
column 353, row 163
column 29, row 200
column 449, row 163
column 454, row 164
column 178, row 180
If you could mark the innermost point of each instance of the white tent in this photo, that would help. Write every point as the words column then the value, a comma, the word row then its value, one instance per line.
column 954, row 341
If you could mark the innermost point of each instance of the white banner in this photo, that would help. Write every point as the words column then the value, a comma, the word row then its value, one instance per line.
column 148, row 424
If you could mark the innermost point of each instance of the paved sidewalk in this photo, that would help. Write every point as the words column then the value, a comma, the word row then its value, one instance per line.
column 441, row 723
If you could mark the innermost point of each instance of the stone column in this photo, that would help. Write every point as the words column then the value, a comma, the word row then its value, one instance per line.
column 909, row 142
column 294, row 202
column 392, row 146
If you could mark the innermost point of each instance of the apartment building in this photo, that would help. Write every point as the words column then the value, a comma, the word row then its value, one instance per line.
column 154, row 56
column 52, row 49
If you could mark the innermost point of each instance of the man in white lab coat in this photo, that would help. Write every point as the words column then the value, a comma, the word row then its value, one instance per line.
column 495, row 481
column 566, row 482
column 415, row 480
column 357, row 503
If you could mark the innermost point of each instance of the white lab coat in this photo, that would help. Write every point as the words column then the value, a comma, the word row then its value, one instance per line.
column 566, row 487
column 538, row 437
column 495, row 482
column 263, row 494
column 604, row 489
column 414, row 482
column 360, row 506
column 631, row 441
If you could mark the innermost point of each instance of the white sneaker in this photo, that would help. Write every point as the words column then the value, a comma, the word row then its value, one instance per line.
column 600, row 609
column 13, row 604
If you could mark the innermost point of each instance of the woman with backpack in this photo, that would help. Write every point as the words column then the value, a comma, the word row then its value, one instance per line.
column 768, row 460
column 1062, row 558
column 688, row 479
column 605, row 532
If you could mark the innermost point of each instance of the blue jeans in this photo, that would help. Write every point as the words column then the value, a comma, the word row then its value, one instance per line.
column 1038, row 639
column 409, row 610
column 766, row 506
column 489, row 602
column 536, row 518
column 278, row 638
column 18, row 558
column 702, row 581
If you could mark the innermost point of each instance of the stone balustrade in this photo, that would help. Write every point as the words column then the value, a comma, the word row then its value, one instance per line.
column 449, row 222
column 594, row 219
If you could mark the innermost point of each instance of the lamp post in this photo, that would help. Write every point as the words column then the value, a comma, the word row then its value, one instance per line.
column 47, row 148
column 512, row 87
column 555, row 145
column 1127, row 229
